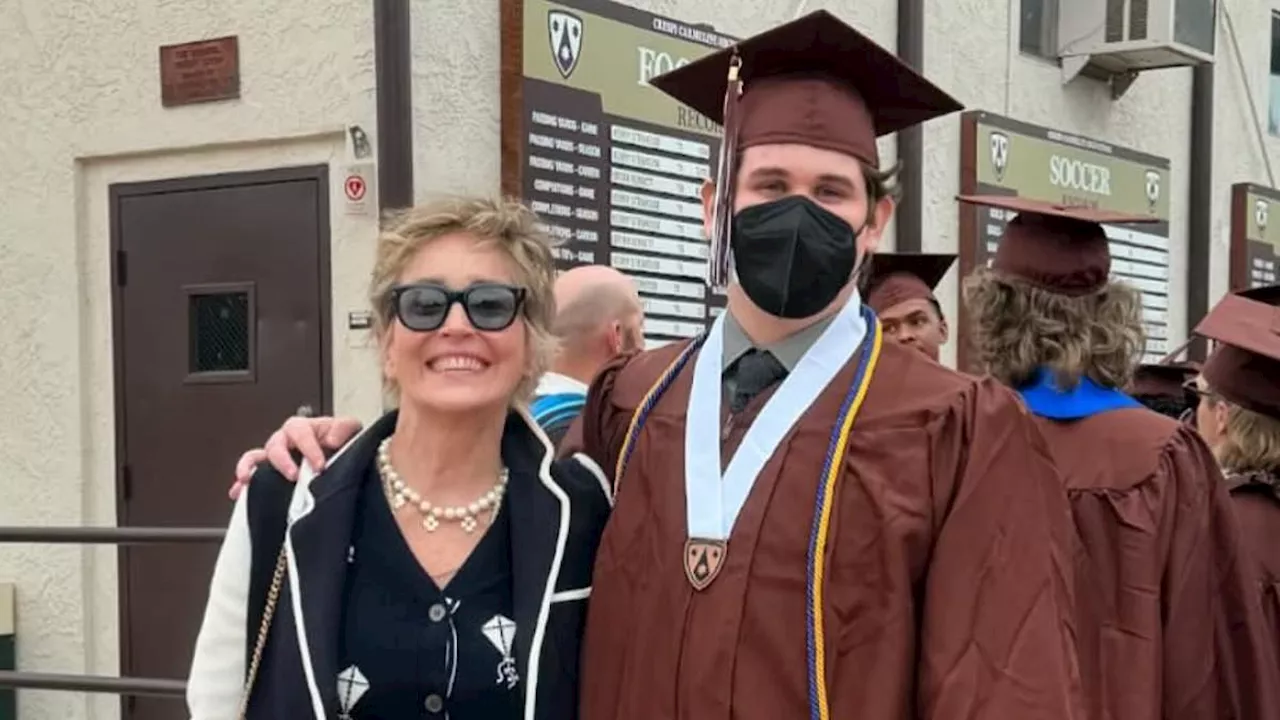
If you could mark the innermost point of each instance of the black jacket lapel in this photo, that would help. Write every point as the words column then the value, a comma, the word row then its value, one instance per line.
column 535, row 524
column 320, row 541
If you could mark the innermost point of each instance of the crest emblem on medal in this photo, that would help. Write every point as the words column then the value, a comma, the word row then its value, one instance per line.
column 999, row 154
column 702, row 561
column 564, row 30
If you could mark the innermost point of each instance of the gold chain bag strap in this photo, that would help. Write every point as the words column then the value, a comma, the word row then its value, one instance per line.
column 268, row 611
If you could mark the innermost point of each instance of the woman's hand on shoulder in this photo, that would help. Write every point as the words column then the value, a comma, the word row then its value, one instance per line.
column 310, row 437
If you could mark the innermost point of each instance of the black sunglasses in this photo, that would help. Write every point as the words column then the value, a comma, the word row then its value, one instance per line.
column 423, row 307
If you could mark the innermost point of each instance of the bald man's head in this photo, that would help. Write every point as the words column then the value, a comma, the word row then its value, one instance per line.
column 598, row 313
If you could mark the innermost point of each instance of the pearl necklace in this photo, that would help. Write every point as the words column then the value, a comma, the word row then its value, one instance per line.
column 400, row 494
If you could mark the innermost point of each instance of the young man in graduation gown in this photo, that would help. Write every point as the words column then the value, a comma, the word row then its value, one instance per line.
column 1169, row 626
column 900, row 291
column 812, row 522
column 1162, row 387
column 1239, row 416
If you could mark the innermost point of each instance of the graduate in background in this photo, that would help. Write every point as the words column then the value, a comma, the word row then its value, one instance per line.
column 1239, row 416
column 1162, row 387
column 900, row 291
column 1170, row 625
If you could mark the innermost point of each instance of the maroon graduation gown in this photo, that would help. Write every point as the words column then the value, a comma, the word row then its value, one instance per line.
column 1256, row 500
column 1169, row 624
column 948, row 569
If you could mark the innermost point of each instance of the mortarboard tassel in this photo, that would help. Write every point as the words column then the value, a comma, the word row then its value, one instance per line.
column 726, row 175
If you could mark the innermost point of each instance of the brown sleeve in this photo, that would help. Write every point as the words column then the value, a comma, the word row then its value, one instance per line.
column 997, row 630
column 1218, row 658
column 600, row 429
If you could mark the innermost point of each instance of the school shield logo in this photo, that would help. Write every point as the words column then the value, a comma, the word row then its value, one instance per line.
column 702, row 561
column 1153, row 188
column 564, row 29
column 1260, row 213
column 999, row 154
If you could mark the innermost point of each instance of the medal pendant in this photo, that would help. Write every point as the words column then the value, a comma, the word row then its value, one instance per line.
column 703, row 560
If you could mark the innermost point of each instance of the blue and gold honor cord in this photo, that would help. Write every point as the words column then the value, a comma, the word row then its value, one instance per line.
column 815, row 639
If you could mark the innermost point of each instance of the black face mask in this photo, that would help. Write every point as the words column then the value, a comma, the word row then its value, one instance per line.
column 792, row 257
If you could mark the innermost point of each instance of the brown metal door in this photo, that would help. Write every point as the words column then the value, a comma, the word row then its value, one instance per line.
column 221, row 332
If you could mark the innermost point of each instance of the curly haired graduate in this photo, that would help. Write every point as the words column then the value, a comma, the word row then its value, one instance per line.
column 1169, row 625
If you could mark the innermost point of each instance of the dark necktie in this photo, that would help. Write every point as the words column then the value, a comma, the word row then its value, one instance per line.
column 753, row 373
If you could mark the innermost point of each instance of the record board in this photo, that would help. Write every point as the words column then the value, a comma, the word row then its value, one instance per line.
column 1003, row 156
column 613, row 167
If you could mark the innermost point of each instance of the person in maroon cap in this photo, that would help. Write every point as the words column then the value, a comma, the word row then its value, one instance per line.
column 1239, row 415
column 1169, row 626
column 1162, row 387
column 812, row 522
column 900, row 291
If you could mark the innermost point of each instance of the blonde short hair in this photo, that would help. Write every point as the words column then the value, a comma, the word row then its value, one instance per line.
column 1250, row 442
column 503, row 224
column 1017, row 328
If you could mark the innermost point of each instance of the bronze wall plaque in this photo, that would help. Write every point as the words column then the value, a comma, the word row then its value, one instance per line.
column 202, row 71
column 1003, row 156
column 612, row 166
column 1255, row 240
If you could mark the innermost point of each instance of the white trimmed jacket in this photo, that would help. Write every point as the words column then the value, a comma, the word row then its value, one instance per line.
column 555, row 525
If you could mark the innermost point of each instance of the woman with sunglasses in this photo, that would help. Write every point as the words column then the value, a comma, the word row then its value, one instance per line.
column 440, row 564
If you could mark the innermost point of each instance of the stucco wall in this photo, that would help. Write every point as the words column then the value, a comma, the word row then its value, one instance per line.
column 1241, row 146
column 80, row 98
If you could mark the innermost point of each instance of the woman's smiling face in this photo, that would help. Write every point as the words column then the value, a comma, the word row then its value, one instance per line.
column 458, row 367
